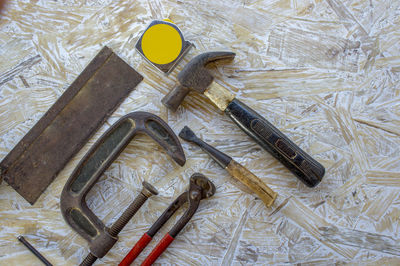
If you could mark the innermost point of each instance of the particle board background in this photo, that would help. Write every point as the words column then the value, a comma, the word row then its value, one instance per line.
column 325, row 72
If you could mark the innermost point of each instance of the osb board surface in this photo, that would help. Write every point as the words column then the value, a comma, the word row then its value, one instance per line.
column 325, row 72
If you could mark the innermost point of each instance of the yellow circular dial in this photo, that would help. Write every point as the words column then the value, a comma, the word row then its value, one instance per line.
column 161, row 44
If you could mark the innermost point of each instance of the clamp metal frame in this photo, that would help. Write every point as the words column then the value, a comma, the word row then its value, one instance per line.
column 73, row 198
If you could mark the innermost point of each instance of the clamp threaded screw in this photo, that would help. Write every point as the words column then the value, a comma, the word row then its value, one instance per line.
column 89, row 260
column 146, row 192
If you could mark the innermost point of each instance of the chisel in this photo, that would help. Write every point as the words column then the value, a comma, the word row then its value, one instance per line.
column 238, row 171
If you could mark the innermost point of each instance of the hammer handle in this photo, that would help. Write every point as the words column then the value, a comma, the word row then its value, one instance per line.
column 308, row 170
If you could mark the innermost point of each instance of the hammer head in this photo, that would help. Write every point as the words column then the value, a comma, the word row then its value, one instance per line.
column 194, row 76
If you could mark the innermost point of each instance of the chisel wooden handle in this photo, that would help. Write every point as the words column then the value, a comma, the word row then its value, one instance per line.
column 236, row 170
column 251, row 181
column 308, row 170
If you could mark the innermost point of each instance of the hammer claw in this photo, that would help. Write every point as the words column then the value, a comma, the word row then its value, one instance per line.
column 209, row 57
column 195, row 76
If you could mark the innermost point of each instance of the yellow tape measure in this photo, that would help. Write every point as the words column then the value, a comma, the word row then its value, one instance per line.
column 163, row 45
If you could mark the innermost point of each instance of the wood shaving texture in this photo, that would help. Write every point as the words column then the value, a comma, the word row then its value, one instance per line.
column 326, row 73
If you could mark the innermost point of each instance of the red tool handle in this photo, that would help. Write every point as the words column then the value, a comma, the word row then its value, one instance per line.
column 158, row 250
column 136, row 250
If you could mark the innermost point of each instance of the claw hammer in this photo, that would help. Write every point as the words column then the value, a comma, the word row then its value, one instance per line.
column 195, row 76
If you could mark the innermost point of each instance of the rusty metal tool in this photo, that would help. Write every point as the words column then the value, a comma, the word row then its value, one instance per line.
column 238, row 171
column 34, row 251
column 200, row 188
column 63, row 130
column 73, row 198
column 195, row 76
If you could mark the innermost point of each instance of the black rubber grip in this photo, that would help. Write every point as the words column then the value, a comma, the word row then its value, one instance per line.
column 308, row 170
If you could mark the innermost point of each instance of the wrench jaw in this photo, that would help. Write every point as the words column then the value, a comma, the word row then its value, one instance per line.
column 204, row 185
column 200, row 188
